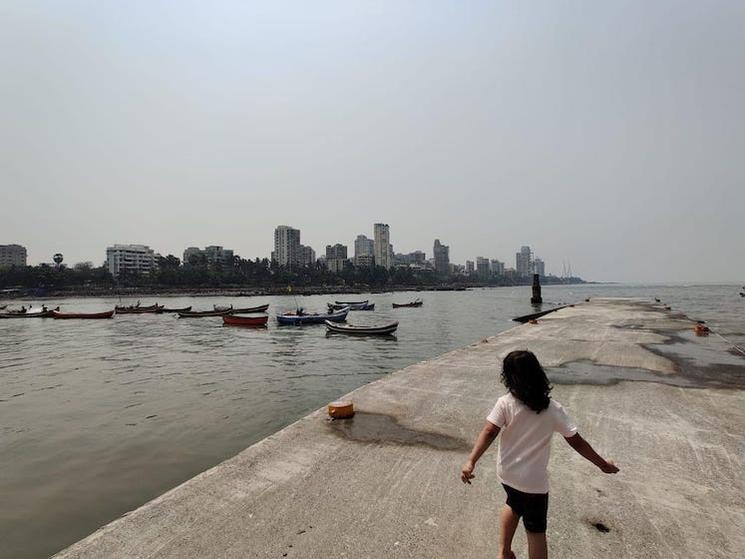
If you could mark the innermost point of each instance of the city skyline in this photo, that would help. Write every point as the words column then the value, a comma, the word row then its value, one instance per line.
column 607, row 138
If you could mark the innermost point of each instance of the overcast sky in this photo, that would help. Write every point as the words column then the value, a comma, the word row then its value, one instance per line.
column 608, row 134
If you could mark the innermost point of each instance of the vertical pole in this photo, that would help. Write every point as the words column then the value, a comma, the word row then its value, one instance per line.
column 536, row 299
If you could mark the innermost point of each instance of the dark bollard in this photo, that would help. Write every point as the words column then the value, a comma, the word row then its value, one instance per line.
column 536, row 299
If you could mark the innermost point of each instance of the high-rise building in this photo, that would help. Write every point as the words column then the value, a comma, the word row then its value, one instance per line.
column 363, row 246
column 12, row 255
column 497, row 268
column 136, row 259
column 442, row 258
column 286, row 246
column 482, row 267
column 470, row 268
column 524, row 262
column 539, row 267
column 336, row 257
column 382, row 248
column 307, row 256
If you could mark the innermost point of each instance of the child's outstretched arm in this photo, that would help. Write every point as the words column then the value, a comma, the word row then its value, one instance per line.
column 486, row 438
column 585, row 449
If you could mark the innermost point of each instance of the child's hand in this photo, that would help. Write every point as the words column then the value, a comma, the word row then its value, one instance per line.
column 609, row 468
column 466, row 474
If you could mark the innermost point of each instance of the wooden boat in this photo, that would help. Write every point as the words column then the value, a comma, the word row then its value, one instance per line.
column 33, row 314
column 350, row 303
column 198, row 314
column 296, row 319
column 89, row 315
column 383, row 330
column 136, row 309
column 415, row 303
column 356, row 307
column 260, row 308
column 165, row 310
column 253, row 321
column 535, row 315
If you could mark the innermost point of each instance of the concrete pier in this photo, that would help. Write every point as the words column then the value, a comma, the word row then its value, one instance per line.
column 666, row 406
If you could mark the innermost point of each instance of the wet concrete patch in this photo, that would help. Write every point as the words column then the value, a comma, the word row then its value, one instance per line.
column 368, row 427
column 587, row 372
column 708, row 363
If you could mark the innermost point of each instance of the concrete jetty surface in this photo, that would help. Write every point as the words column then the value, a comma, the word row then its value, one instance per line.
column 667, row 406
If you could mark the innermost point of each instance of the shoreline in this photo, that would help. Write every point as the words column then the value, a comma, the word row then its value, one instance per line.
column 160, row 291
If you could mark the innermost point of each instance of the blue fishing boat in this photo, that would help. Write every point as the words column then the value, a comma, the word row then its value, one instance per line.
column 302, row 318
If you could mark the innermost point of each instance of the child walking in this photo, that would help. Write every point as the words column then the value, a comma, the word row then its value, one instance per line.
column 527, row 417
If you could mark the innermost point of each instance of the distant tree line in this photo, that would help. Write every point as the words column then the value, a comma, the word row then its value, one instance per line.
column 238, row 273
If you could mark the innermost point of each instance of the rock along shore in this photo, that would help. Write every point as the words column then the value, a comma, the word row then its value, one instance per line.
column 667, row 406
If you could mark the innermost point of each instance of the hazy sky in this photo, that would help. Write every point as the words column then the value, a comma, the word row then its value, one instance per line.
column 610, row 134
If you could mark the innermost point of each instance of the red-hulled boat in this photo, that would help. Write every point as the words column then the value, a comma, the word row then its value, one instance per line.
column 106, row 314
column 237, row 320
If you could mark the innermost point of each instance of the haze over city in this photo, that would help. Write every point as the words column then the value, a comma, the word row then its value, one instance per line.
column 605, row 134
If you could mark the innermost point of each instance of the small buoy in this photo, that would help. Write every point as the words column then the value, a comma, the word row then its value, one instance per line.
column 532, row 321
column 341, row 409
column 668, row 308
column 587, row 300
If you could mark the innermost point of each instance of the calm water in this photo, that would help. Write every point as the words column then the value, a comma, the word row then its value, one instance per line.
column 97, row 417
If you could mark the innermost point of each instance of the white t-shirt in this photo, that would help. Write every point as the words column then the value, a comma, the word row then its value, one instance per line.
column 525, row 444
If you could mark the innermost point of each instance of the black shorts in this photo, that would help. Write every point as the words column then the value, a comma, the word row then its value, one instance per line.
column 532, row 507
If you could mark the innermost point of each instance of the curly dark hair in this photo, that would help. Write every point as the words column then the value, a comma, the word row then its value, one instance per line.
column 526, row 380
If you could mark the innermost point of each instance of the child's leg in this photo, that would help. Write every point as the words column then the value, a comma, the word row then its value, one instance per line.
column 508, row 521
column 537, row 546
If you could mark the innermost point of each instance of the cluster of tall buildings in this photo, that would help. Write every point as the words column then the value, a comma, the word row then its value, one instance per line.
column 290, row 253
column 525, row 266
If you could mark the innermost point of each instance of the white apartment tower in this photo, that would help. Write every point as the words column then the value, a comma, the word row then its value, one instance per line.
column 524, row 262
column 382, row 245
column 137, row 259
column 286, row 246
column 363, row 246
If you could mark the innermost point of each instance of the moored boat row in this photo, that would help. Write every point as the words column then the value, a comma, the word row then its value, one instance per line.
column 231, row 316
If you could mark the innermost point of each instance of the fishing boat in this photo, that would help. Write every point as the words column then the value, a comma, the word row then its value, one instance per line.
column 383, row 330
column 170, row 310
column 296, row 319
column 351, row 303
column 89, row 315
column 414, row 303
column 198, row 314
column 252, row 321
column 356, row 307
column 135, row 309
column 32, row 314
column 245, row 310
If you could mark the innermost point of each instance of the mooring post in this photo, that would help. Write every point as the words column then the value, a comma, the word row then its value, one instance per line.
column 536, row 299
